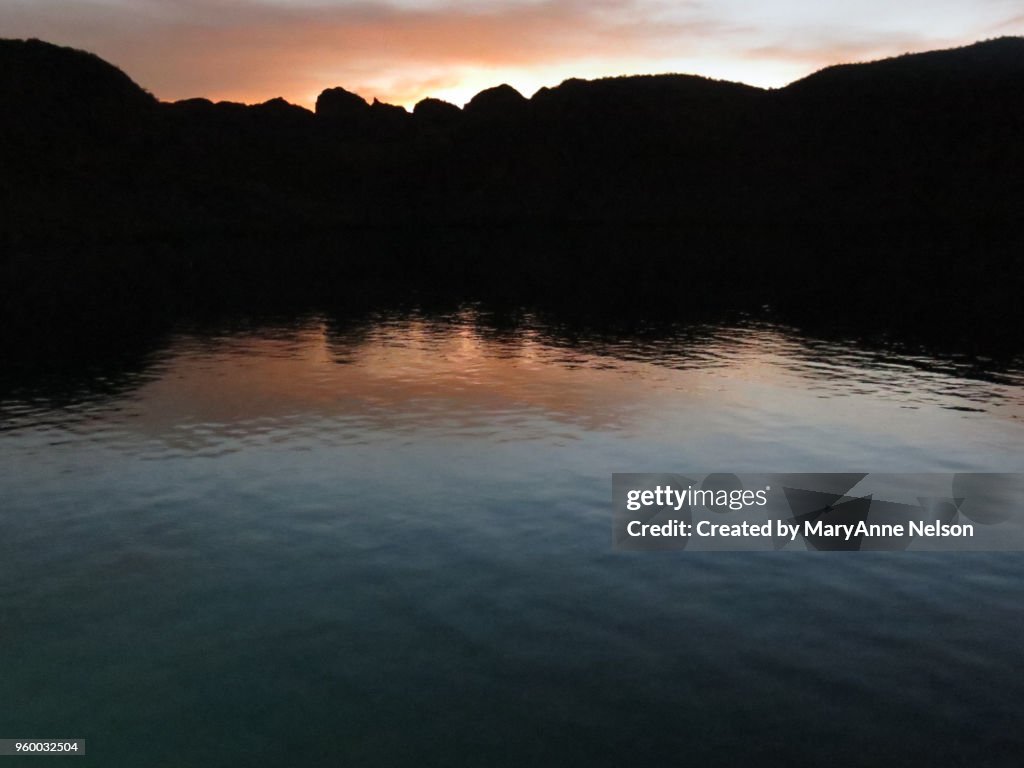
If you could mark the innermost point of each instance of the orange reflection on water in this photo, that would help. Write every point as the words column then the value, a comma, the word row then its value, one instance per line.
column 454, row 377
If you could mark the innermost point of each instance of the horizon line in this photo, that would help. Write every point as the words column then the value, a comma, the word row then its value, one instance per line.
column 408, row 107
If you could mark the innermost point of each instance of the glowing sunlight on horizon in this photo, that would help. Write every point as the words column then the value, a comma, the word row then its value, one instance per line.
column 404, row 50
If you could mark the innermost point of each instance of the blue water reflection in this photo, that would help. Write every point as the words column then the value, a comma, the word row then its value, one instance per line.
column 387, row 543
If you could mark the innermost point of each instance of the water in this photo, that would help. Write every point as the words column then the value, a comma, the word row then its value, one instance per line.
column 386, row 542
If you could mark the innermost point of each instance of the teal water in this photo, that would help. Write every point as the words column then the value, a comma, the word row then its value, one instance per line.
column 387, row 543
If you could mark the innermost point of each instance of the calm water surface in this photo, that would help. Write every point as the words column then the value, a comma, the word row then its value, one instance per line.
column 387, row 543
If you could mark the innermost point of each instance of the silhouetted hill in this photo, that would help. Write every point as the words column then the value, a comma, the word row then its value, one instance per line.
column 978, row 66
column 71, row 129
column 435, row 114
column 925, row 136
column 904, row 172
column 502, row 102
column 42, row 84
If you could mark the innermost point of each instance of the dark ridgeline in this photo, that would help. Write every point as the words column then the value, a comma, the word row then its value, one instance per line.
column 894, row 188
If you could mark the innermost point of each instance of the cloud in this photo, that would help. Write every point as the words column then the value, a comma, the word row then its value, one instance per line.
column 828, row 48
column 1011, row 26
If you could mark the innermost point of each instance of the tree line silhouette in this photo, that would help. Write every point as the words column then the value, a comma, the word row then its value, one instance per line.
column 897, row 182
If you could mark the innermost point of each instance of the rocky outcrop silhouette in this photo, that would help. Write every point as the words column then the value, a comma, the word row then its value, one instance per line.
column 350, row 116
column 337, row 105
column 387, row 121
column 502, row 102
column 43, row 86
column 437, row 114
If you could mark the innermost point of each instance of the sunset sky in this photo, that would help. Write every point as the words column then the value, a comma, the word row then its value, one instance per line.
column 401, row 51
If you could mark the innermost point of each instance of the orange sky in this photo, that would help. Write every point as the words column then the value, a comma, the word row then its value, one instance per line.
column 404, row 50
